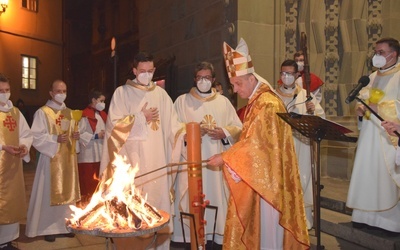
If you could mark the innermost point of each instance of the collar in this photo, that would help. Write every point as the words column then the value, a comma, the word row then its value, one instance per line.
column 288, row 92
column 135, row 84
column 204, row 97
column 55, row 106
column 388, row 68
column 393, row 69
column 289, row 88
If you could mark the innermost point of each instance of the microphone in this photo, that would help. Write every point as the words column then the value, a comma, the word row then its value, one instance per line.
column 362, row 82
column 294, row 97
column 295, row 104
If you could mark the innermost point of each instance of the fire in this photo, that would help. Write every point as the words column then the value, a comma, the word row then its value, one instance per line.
column 117, row 204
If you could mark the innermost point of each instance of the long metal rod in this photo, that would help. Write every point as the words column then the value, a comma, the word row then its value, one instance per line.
column 374, row 112
column 317, row 206
column 170, row 165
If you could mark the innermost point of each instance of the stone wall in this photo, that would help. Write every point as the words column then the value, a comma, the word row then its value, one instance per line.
column 188, row 31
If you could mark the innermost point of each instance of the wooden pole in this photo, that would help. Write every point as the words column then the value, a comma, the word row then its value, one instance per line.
column 195, row 185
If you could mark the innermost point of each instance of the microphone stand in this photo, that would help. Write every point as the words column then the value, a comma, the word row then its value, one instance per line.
column 373, row 112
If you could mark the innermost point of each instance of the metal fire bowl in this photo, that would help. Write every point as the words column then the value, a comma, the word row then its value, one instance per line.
column 123, row 233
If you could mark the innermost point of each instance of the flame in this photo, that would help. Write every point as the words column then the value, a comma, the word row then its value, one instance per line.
column 117, row 204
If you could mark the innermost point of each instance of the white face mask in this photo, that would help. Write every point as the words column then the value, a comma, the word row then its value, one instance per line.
column 379, row 61
column 300, row 66
column 144, row 78
column 4, row 97
column 287, row 79
column 100, row 106
column 204, row 85
column 60, row 97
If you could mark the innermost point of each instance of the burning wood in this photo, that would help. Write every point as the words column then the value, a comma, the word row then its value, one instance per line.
column 120, row 209
column 117, row 205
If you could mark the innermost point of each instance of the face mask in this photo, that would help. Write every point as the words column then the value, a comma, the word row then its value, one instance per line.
column 145, row 78
column 379, row 61
column 204, row 85
column 60, row 97
column 4, row 97
column 300, row 65
column 100, row 106
column 287, row 79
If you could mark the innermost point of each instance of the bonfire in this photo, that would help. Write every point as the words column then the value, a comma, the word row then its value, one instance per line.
column 117, row 205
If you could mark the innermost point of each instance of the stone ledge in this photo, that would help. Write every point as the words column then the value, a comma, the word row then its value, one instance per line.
column 339, row 225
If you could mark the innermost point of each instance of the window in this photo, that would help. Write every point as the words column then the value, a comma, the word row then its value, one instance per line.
column 31, row 5
column 29, row 72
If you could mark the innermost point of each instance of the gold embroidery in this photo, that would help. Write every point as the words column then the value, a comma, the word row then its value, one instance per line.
column 154, row 124
column 208, row 122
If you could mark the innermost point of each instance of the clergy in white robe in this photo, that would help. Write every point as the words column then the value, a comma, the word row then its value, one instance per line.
column 374, row 187
column 141, row 126
column 215, row 114
column 295, row 100
column 56, row 183
column 15, row 142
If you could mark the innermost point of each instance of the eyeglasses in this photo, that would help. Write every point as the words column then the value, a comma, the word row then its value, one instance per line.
column 284, row 73
column 199, row 78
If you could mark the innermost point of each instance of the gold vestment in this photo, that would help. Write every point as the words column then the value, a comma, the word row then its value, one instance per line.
column 64, row 165
column 266, row 162
column 12, row 186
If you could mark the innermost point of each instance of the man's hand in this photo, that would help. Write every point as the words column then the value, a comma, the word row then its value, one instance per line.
column 75, row 135
column 13, row 150
column 391, row 127
column 101, row 134
column 23, row 150
column 310, row 107
column 151, row 113
column 62, row 138
column 215, row 160
column 203, row 131
column 216, row 133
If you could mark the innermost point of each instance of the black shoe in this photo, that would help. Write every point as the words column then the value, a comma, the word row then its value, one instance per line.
column 50, row 238
column 390, row 234
column 70, row 235
column 8, row 246
column 359, row 225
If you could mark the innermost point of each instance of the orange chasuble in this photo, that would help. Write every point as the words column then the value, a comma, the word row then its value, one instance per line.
column 11, row 178
column 266, row 162
column 64, row 165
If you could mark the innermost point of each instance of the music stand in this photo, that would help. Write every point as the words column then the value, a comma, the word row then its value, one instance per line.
column 316, row 128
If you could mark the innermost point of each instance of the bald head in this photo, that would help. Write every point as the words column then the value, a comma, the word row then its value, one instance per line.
column 56, row 83
column 58, row 91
